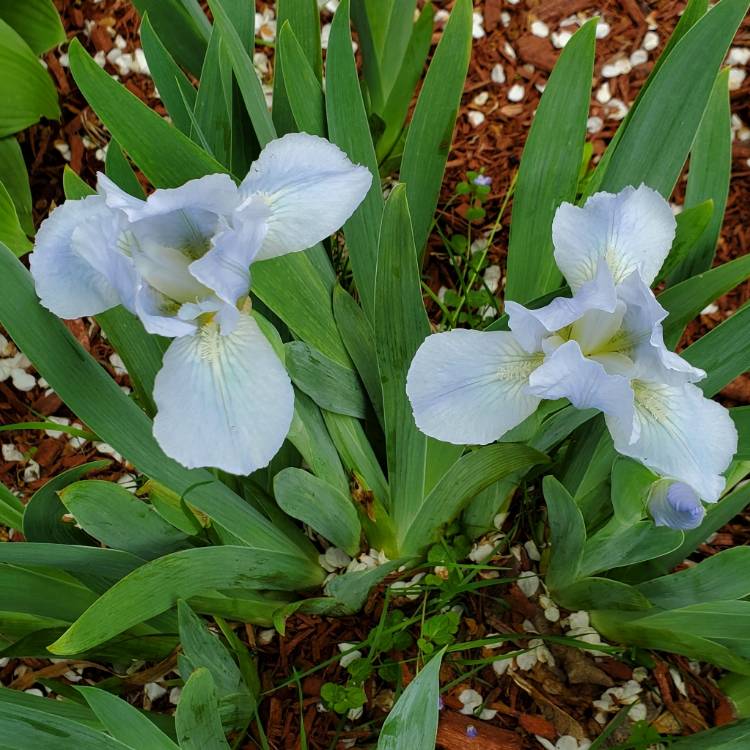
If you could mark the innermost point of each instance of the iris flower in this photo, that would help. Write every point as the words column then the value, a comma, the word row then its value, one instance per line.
column 601, row 348
column 675, row 504
column 180, row 260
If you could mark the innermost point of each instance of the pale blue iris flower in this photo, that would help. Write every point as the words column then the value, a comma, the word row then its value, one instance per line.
column 180, row 260
column 676, row 505
column 601, row 348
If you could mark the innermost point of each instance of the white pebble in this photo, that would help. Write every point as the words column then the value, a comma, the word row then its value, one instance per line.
column 603, row 93
column 492, row 277
column 266, row 636
column 174, row 695
column 505, row 18
column 441, row 17
column 602, row 29
column 500, row 666
column 528, row 582
column 594, row 124
column 509, row 51
column 736, row 78
column 639, row 57
column 560, row 39
column 498, row 74
column 738, row 56
column 526, row 660
column 22, row 380
column 708, row 310
column 57, row 420
column 481, row 552
column 154, row 691
column 650, row 41
column 481, row 98
column 532, row 550
column 120, row 42
column 140, row 63
column 117, row 364
column 11, row 453
column 350, row 655
column 32, row 472
column 638, row 712
column 477, row 25
column 540, row 29
column 34, row 691
column 618, row 109
column 516, row 93
column 471, row 701
column 476, row 118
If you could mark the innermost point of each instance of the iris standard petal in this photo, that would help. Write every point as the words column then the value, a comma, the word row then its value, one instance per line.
column 642, row 336
column 677, row 432
column 470, row 386
column 223, row 401
column 75, row 260
column 632, row 230
column 566, row 373
column 225, row 268
column 676, row 505
column 530, row 327
column 311, row 188
column 215, row 193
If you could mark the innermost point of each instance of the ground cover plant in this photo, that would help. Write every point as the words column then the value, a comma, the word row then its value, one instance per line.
column 305, row 444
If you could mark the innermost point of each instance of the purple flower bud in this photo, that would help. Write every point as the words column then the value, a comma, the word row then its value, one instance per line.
column 676, row 505
column 472, row 731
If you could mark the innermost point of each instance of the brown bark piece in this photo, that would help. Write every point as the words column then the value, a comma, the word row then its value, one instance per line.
column 452, row 734
column 536, row 51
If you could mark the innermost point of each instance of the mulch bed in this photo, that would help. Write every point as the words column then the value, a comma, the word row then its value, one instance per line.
column 546, row 700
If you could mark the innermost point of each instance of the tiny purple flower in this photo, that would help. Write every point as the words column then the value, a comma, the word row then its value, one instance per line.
column 482, row 179
column 472, row 731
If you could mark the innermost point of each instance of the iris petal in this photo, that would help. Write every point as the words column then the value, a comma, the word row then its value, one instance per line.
column 223, row 401
column 566, row 373
column 470, row 386
column 75, row 263
column 632, row 230
column 676, row 505
column 677, row 432
column 530, row 327
column 643, row 335
column 311, row 188
column 225, row 268
column 215, row 193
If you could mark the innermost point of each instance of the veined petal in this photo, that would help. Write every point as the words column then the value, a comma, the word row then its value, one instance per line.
column 470, row 386
column 75, row 263
column 678, row 433
column 531, row 327
column 215, row 193
column 311, row 188
column 223, row 401
column 643, row 336
column 632, row 230
column 566, row 373
column 676, row 505
column 225, row 268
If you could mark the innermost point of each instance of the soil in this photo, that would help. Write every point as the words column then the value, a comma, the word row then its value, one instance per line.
column 547, row 699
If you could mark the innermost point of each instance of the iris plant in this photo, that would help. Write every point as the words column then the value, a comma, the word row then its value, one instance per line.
column 180, row 260
column 602, row 348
